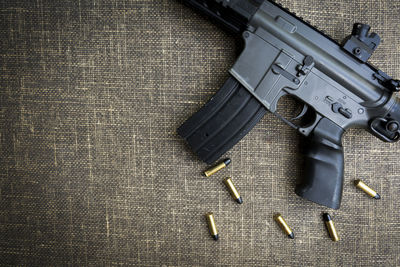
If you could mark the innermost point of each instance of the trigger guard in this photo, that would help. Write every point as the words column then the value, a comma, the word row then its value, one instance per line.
column 306, row 131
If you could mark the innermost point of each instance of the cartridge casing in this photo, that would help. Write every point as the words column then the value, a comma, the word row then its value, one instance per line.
column 232, row 189
column 211, row 225
column 331, row 227
column 361, row 185
column 217, row 168
column 284, row 226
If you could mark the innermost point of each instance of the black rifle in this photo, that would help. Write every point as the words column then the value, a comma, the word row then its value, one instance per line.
column 284, row 55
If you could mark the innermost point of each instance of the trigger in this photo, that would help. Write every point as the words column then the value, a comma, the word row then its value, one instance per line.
column 302, row 113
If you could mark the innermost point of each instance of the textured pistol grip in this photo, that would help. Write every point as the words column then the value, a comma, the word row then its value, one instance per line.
column 324, row 167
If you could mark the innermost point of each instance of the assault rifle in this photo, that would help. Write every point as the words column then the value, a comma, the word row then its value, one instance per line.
column 285, row 55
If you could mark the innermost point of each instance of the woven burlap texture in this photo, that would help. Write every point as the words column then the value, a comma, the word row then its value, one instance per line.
column 92, row 171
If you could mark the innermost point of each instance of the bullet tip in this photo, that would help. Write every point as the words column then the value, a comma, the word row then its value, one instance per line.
column 291, row 236
column 239, row 200
column 215, row 237
column 327, row 217
column 227, row 161
column 377, row 196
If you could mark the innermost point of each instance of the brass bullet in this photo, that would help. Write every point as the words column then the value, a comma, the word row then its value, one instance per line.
column 360, row 184
column 331, row 227
column 211, row 225
column 284, row 226
column 232, row 189
column 218, row 167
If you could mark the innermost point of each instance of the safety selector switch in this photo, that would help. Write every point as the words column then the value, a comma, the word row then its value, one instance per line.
column 338, row 108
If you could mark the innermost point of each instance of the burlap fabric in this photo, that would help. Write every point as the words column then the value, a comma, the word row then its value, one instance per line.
column 93, row 173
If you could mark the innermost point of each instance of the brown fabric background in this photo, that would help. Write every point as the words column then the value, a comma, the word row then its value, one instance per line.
column 93, row 173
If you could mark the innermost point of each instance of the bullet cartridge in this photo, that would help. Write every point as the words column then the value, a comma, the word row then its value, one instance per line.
column 212, row 226
column 360, row 184
column 284, row 226
column 217, row 168
column 232, row 189
column 331, row 227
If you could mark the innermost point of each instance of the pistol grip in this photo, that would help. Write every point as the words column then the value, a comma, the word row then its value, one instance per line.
column 324, row 166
